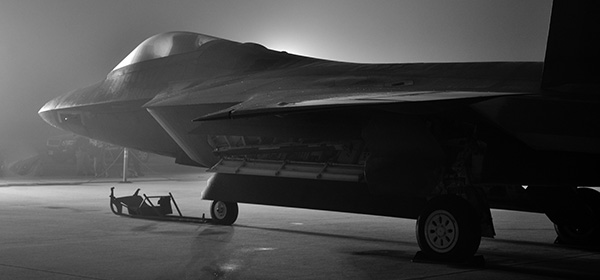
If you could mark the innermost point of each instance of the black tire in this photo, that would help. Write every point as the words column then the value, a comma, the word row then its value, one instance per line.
column 448, row 229
column 588, row 232
column 223, row 213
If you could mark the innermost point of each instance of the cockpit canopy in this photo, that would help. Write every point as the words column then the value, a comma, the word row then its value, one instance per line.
column 165, row 44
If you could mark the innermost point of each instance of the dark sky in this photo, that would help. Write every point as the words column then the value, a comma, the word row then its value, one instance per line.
column 49, row 47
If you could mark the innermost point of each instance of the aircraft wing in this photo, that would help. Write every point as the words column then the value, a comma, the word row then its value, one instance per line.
column 280, row 102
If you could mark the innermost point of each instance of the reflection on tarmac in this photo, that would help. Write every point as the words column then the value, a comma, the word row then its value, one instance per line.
column 68, row 232
column 212, row 258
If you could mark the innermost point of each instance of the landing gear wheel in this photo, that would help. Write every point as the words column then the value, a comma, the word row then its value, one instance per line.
column 223, row 213
column 448, row 229
column 588, row 231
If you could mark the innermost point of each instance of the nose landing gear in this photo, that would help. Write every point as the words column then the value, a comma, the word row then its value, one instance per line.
column 223, row 213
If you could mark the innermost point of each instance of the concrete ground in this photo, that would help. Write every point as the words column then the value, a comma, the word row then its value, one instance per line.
column 67, row 231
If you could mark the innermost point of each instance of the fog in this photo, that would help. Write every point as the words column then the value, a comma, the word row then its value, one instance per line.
column 50, row 47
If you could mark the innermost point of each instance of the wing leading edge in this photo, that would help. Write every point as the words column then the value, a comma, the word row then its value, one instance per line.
column 267, row 105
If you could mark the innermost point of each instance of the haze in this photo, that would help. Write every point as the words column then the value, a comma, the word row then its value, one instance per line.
column 49, row 47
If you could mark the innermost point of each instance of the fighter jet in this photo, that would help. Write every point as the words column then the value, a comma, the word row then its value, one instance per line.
column 441, row 143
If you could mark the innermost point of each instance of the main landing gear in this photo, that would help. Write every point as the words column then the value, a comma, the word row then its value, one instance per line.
column 574, row 211
column 584, row 229
column 448, row 230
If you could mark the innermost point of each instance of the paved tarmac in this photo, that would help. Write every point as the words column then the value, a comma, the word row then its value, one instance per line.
column 67, row 231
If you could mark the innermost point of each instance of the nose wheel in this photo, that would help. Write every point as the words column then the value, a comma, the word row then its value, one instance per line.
column 223, row 213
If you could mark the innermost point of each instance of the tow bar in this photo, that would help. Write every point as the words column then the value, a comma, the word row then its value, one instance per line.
column 142, row 208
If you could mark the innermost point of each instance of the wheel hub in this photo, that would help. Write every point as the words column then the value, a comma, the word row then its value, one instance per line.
column 441, row 231
column 220, row 210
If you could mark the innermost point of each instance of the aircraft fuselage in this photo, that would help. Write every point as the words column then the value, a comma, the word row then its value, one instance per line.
column 403, row 140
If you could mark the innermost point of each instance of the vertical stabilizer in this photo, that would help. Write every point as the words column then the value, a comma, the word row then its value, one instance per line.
column 572, row 63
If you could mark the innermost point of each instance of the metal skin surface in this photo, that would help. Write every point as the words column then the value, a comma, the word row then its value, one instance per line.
column 231, row 88
column 201, row 99
column 179, row 88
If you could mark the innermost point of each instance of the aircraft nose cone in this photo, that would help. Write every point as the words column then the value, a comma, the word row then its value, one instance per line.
column 66, row 111
column 48, row 113
column 66, row 118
